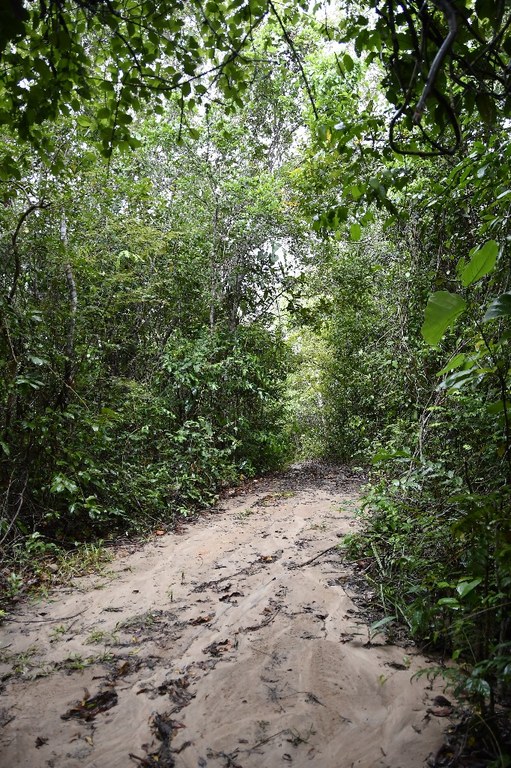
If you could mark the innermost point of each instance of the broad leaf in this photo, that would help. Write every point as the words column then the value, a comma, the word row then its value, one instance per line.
column 481, row 263
column 449, row 602
column 355, row 232
column 385, row 455
column 476, row 686
column 459, row 379
column 377, row 626
column 465, row 587
column 441, row 312
column 499, row 406
column 499, row 307
column 456, row 361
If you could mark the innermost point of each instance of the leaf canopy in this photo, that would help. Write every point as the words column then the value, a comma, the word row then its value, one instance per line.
column 59, row 57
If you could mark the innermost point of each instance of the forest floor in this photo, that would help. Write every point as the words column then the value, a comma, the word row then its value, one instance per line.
column 242, row 640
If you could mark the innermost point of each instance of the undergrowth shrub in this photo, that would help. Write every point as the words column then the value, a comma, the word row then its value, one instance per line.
column 437, row 537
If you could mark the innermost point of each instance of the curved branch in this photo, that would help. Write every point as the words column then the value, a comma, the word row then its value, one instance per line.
column 450, row 13
column 296, row 57
column 439, row 149
column 14, row 244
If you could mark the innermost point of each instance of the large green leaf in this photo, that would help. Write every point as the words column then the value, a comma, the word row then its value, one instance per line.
column 465, row 587
column 481, row 263
column 454, row 363
column 500, row 307
column 355, row 232
column 441, row 312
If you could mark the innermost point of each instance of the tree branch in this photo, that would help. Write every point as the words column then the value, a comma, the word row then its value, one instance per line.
column 450, row 13
column 297, row 59
column 14, row 245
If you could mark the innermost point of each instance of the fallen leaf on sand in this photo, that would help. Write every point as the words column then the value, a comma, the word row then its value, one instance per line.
column 201, row 619
column 441, row 701
column 442, row 707
column 91, row 706
column 440, row 711
column 215, row 649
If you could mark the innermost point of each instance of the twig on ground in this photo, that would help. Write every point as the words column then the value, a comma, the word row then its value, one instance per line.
column 265, row 741
column 316, row 557
column 44, row 621
column 264, row 623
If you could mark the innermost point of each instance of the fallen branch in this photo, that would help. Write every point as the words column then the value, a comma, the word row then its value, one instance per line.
column 316, row 557
column 44, row 621
column 255, row 627
column 265, row 741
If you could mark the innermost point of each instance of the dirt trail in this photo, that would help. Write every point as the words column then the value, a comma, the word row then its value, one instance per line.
column 219, row 647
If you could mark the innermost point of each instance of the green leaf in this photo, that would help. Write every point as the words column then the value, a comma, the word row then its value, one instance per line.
column 60, row 484
column 486, row 107
column 477, row 686
column 499, row 406
column 84, row 121
column 37, row 360
column 450, row 602
column 465, row 587
column 124, row 119
column 456, row 361
column 481, row 263
column 459, row 379
column 385, row 455
column 347, row 62
column 441, row 312
column 500, row 307
column 376, row 626
column 355, row 232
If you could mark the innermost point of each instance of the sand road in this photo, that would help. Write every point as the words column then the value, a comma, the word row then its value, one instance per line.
column 237, row 643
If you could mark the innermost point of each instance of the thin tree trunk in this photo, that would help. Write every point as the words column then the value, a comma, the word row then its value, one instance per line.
column 69, row 349
column 213, row 276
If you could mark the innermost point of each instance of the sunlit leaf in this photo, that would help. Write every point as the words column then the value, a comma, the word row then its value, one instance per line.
column 355, row 232
column 456, row 362
column 465, row 587
column 442, row 310
column 481, row 263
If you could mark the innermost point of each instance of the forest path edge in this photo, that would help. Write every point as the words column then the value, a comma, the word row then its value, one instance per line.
column 235, row 643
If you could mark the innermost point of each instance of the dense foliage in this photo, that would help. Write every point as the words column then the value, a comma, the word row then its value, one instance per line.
column 142, row 363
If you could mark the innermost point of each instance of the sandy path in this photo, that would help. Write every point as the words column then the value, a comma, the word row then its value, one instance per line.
column 212, row 648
